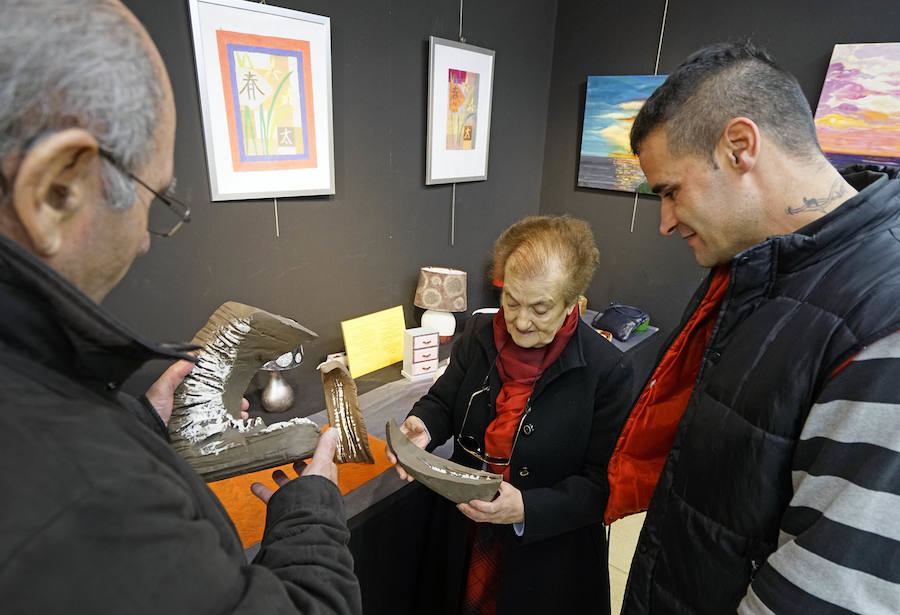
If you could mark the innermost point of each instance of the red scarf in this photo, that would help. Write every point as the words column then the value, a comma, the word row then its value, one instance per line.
column 519, row 369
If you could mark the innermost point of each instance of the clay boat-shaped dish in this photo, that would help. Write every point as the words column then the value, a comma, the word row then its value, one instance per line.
column 454, row 481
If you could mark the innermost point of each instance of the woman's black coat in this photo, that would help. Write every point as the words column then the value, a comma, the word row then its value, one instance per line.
column 559, row 464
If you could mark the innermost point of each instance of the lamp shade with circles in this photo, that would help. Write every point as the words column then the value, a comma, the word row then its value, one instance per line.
column 441, row 291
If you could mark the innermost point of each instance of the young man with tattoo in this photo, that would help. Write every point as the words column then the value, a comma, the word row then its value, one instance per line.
column 774, row 439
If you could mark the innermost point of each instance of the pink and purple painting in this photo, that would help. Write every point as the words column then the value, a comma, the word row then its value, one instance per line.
column 858, row 117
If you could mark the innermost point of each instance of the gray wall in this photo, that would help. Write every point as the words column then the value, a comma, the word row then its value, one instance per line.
column 593, row 38
column 359, row 251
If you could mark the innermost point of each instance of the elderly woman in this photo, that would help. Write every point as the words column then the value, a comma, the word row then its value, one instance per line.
column 534, row 394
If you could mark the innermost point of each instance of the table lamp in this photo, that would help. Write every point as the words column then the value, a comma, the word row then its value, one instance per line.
column 440, row 292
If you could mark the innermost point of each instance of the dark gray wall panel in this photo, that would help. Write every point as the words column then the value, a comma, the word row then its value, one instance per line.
column 358, row 251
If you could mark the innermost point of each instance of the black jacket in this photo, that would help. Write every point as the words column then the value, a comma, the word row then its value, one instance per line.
column 99, row 515
column 559, row 463
column 797, row 307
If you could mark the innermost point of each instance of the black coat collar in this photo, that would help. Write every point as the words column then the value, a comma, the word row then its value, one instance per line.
column 50, row 321
column 871, row 210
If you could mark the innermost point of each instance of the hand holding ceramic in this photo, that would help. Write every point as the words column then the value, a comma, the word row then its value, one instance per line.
column 507, row 507
column 160, row 394
column 321, row 464
column 414, row 429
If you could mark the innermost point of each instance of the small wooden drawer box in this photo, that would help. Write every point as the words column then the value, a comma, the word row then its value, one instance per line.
column 428, row 338
column 426, row 368
column 420, row 352
column 424, row 354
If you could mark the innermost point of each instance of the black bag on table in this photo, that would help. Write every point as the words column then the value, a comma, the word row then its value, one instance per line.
column 621, row 320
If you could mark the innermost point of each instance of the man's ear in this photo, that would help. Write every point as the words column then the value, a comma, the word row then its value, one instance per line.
column 739, row 144
column 53, row 184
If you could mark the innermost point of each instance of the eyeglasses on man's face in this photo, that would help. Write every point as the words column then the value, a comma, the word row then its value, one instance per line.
column 167, row 213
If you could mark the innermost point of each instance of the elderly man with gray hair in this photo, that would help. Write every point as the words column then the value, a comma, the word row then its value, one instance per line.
column 99, row 514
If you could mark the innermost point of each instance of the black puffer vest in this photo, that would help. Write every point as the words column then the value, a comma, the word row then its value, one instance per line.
column 796, row 308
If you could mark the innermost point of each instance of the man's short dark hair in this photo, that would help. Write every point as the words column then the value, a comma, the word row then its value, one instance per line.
column 721, row 82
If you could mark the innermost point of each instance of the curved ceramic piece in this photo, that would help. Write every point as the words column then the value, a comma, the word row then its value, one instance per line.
column 454, row 481
column 206, row 427
column 342, row 405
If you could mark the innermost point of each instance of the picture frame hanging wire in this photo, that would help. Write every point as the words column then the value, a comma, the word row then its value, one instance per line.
column 662, row 31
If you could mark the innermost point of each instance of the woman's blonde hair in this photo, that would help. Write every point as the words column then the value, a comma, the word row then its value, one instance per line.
column 532, row 245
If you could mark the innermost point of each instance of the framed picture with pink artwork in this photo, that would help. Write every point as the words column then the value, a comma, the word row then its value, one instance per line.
column 264, row 75
column 460, row 88
column 858, row 116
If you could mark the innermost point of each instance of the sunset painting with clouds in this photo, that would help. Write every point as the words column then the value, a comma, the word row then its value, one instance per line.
column 858, row 117
column 610, row 106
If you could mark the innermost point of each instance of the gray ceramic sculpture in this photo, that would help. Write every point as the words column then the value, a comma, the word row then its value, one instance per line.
column 206, row 427
column 454, row 481
column 342, row 405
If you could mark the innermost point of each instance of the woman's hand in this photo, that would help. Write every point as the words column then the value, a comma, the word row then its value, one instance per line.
column 506, row 508
column 414, row 429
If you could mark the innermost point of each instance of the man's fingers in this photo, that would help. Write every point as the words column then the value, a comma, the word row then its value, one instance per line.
column 169, row 381
column 261, row 491
column 245, row 405
column 322, row 462
column 299, row 466
column 326, row 447
column 176, row 373
column 281, row 479
column 160, row 392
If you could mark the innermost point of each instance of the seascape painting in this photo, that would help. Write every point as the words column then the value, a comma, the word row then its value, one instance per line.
column 462, row 109
column 268, row 100
column 611, row 104
column 858, row 116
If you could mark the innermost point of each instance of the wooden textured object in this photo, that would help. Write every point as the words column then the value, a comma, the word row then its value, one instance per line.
column 206, row 427
column 342, row 405
column 454, row 481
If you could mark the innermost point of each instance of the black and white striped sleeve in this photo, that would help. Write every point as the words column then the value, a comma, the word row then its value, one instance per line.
column 839, row 546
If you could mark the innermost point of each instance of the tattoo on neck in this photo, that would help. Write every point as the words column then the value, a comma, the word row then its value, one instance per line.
column 824, row 204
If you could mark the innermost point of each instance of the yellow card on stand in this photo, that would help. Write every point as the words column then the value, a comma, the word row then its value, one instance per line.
column 374, row 341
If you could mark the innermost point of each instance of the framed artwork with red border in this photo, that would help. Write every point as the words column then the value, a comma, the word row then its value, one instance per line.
column 264, row 75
